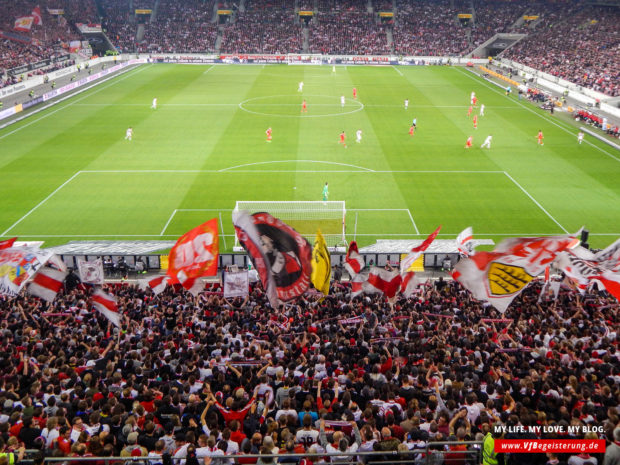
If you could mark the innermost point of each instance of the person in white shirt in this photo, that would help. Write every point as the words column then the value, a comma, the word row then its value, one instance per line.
column 342, row 100
column 358, row 135
column 482, row 109
column 343, row 444
column 472, row 97
column 300, row 87
column 580, row 137
column 487, row 142
column 129, row 133
column 406, row 103
column 154, row 104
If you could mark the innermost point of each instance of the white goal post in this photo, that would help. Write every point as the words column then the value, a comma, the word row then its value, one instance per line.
column 305, row 217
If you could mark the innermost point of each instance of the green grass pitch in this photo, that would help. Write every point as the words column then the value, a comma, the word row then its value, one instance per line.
column 68, row 174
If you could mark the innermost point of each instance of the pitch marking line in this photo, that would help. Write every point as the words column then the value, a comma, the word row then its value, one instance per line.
column 563, row 128
column 398, row 70
column 536, row 202
column 41, row 203
column 168, row 222
column 124, row 75
column 291, row 161
column 225, row 171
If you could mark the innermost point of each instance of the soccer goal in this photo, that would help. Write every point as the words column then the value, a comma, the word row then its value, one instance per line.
column 305, row 217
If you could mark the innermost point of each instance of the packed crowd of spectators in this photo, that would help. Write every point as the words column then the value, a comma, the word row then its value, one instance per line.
column 429, row 28
column 119, row 24
column 492, row 17
column 266, row 26
column 45, row 39
column 582, row 48
column 348, row 32
column 181, row 27
column 205, row 376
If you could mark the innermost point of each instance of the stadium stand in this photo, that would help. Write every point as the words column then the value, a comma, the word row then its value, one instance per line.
column 429, row 28
column 181, row 27
column 266, row 26
column 581, row 47
column 198, row 376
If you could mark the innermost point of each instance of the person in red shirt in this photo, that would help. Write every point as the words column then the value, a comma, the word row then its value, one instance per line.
column 268, row 132
column 355, row 92
column 469, row 142
column 343, row 139
column 304, row 107
column 412, row 131
column 475, row 121
column 469, row 111
column 540, row 138
column 64, row 440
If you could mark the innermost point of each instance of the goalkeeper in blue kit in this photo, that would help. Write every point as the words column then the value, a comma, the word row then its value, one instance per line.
column 325, row 193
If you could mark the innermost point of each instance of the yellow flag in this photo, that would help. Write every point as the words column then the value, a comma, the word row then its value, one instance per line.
column 321, row 264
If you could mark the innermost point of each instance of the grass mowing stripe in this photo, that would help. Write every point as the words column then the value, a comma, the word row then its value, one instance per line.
column 544, row 117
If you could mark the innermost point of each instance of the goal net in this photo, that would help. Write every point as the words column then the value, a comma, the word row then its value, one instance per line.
column 305, row 217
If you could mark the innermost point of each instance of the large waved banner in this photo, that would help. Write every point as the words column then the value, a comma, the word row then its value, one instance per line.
column 280, row 254
column 498, row 277
column 18, row 265
column 586, row 267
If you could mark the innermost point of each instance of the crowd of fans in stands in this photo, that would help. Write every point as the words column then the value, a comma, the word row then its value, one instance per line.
column 429, row 28
column 348, row 32
column 582, row 48
column 181, row 26
column 205, row 376
column 264, row 27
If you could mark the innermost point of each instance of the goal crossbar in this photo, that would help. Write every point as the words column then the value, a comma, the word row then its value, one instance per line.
column 305, row 217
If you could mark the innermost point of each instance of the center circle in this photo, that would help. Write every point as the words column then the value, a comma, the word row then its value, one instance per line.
column 290, row 106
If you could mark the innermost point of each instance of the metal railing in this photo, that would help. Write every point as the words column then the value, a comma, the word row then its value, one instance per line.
column 419, row 456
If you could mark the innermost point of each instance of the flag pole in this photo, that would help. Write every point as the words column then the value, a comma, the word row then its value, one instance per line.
column 222, row 228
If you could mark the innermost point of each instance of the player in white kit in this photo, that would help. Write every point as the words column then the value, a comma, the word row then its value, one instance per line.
column 342, row 101
column 358, row 135
column 487, row 142
column 154, row 104
column 300, row 87
column 129, row 133
column 482, row 109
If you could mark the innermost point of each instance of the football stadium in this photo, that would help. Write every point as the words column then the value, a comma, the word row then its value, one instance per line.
column 309, row 232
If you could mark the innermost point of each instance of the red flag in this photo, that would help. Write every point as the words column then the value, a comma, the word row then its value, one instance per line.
column 106, row 305
column 357, row 284
column 7, row 243
column 499, row 276
column 382, row 280
column 36, row 14
column 354, row 262
column 46, row 283
column 417, row 251
column 157, row 284
column 195, row 254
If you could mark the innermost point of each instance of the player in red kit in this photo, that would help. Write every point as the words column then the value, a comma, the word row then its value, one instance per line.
column 540, row 138
column 412, row 131
column 268, row 132
column 474, row 100
column 343, row 139
column 470, row 141
column 469, row 111
column 355, row 92
column 304, row 107
column 475, row 121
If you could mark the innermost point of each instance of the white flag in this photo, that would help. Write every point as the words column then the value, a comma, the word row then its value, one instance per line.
column 106, row 305
column 91, row 272
column 236, row 284
column 465, row 241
